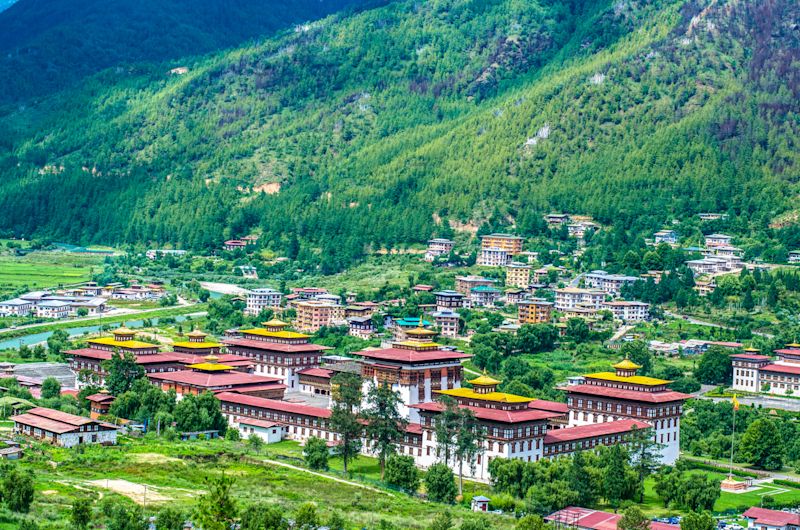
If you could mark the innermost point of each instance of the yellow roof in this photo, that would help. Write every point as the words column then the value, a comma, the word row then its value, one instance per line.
column 277, row 334
column 420, row 331
column 484, row 380
column 197, row 345
column 751, row 349
column 491, row 396
column 111, row 341
column 635, row 379
column 793, row 345
column 275, row 323
column 627, row 364
column 210, row 367
column 416, row 344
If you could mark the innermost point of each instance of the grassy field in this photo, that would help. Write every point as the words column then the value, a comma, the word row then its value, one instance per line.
column 176, row 473
column 39, row 270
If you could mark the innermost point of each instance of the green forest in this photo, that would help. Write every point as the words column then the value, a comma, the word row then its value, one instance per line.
column 380, row 127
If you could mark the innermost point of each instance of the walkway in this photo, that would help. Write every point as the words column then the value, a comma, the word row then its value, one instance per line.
column 323, row 475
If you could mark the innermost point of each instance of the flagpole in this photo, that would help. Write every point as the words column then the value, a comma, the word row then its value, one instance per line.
column 733, row 435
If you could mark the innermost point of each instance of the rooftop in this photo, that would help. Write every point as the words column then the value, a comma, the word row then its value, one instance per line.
column 593, row 430
column 633, row 379
column 412, row 356
column 468, row 393
column 665, row 396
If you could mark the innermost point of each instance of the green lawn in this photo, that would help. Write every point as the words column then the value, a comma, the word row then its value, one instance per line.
column 178, row 472
column 39, row 270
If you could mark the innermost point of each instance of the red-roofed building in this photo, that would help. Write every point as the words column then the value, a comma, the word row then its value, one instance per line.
column 63, row 429
column 622, row 394
column 276, row 351
column 765, row 519
column 559, row 442
column 416, row 368
column 587, row 519
column 315, row 381
column 99, row 404
column 754, row 372
column 215, row 377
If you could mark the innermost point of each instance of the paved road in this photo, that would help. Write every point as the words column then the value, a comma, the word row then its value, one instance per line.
column 693, row 320
column 770, row 402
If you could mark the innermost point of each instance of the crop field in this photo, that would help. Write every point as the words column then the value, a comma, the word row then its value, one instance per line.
column 39, row 270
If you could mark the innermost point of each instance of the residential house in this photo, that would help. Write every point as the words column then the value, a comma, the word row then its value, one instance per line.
column 669, row 237
column 534, row 311
column 438, row 247
column 63, row 429
column 260, row 299
column 518, row 275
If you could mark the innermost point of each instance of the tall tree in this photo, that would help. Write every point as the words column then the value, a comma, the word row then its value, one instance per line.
column 698, row 521
column 121, row 372
column 216, row 509
column 440, row 483
column 633, row 519
column 469, row 444
column 385, row 425
column 645, row 455
column 614, row 475
column 346, row 393
column 762, row 445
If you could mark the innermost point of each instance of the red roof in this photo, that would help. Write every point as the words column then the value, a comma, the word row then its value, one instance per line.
column 550, row 406
column 725, row 344
column 789, row 351
column 594, row 430
column 222, row 358
column 412, row 356
column 781, row 369
column 596, row 520
column 632, row 395
column 90, row 353
column 273, row 404
column 764, row 516
column 503, row 416
column 55, row 421
column 316, row 372
column 275, row 346
column 750, row 357
column 99, row 398
column 213, row 379
column 265, row 424
column 143, row 358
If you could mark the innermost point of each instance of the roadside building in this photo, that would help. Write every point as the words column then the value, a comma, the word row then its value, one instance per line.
column 16, row 307
column 794, row 256
column 63, row 429
column 53, row 309
column 258, row 300
column 766, row 519
column 586, row 519
column 608, row 283
column 628, row 311
column 483, row 296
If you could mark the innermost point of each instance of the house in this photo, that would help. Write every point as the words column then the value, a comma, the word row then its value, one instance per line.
column 608, row 283
column 515, row 296
column 586, row 519
column 483, row 296
column 234, row 244
column 794, row 256
column 534, row 311
column 626, row 311
column 669, row 237
column 718, row 240
column 422, row 288
column 248, row 271
column 464, row 284
column 63, row 429
column 570, row 297
column 766, row 519
column 557, row 219
column 99, row 404
column 447, row 321
column 269, row 431
column 438, row 247
column 708, row 266
column 578, row 230
column 53, row 309
column 712, row 216
column 510, row 243
column 494, row 257
column 518, row 275
column 312, row 315
column 156, row 253
column 449, row 300
column 16, row 307
column 361, row 327
column 480, row 503
column 259, row 299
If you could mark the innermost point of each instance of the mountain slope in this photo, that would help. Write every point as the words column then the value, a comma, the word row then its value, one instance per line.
column 381, row 127
column 48, row 44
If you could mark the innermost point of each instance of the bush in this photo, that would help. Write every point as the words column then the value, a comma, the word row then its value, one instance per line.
column 441, row 484
column 316, row 453
column 401, row 472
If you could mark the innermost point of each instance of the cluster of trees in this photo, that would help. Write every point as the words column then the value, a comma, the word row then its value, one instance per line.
column 614, row 474
column 763, row 439
column 689, row 491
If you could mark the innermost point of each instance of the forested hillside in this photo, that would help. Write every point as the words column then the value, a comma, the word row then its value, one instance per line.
column 48, row 44
column 392, row 124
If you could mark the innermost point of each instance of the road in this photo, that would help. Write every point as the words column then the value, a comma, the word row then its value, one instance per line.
column 693, row 320
column 111, row 314
column 770, row 402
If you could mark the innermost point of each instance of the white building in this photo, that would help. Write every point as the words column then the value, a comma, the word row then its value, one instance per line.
column 53, row 309
column 494, row 257
column 669, row 237
column 708, row 265
column 438, row 247
column 269, row 431
column 571, row 297
column 753, row 372
column 447, row 321
column 260, row 299
column 626, row 311
column 794, row 256
column 16, row 307
column 718, row 240
column 62, row 429
column 608, row 283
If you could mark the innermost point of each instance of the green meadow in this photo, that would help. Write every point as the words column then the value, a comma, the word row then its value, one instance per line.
column 39, row 270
